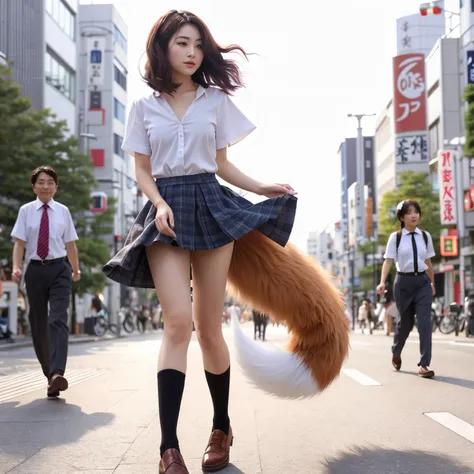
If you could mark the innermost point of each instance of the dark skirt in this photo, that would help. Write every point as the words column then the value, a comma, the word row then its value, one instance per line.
column 207, row 215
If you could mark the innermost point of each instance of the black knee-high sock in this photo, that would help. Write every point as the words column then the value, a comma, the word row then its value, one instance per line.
column 170, row 393
column 219, row 386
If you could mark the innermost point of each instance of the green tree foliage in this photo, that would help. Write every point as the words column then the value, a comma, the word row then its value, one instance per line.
column 31, row 138
column 469, row 121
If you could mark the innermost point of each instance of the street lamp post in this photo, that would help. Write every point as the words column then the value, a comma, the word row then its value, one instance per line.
column 360, row 175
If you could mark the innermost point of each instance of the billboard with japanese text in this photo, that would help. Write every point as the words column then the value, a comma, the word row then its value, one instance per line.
column 409, row 93
column 411, row 149
column 447, row 196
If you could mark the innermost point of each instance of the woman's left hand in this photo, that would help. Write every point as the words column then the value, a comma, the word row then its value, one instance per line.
column 274, row 190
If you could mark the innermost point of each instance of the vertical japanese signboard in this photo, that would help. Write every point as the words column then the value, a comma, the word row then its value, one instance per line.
column 95, row 62
column 409, row 97
column 446, row 188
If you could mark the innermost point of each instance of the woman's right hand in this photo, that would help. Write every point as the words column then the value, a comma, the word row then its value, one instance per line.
column 381, row 289
column 164, row 219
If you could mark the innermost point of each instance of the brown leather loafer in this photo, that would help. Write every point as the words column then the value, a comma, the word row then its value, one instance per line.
column 426, row 373
column 216, row 456
column 172, row 463
column 58, row 383
column 396, row 362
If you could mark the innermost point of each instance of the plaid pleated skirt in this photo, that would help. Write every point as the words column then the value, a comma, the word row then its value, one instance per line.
column 207, row 215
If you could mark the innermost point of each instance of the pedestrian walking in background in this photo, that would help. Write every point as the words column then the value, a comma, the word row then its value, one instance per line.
column 364, row 315
column 179, row 136
column 45, row 235
column 412, row 250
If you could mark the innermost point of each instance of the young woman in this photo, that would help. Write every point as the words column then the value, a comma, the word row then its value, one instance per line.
column 412, row 249
column 179, row 136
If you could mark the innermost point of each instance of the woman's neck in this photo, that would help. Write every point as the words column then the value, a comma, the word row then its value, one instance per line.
column 410, row 228
column 186, row 85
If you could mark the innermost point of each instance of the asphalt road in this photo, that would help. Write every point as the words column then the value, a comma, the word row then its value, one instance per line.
column 372, row 420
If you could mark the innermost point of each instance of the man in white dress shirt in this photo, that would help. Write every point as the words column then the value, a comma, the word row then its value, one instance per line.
column 45, row 234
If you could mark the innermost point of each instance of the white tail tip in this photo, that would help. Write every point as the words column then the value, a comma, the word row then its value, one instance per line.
column 274, row 371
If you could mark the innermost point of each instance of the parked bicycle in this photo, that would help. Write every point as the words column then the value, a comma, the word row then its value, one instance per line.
column 451, row 319
column 102, row 325
column 128, row 316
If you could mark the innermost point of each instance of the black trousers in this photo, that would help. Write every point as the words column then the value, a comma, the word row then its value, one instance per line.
column 413, row 295
column 49, row 285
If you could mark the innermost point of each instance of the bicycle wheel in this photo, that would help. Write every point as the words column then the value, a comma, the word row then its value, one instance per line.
column 100, row 327
column 128, row 325
column 447, row 325
column 113, row 328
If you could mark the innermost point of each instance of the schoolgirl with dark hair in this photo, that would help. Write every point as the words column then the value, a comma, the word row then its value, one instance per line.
column 179, row 135
column 412, row 250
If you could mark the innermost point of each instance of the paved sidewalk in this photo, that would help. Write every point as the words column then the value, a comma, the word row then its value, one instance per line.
column 372, row 420
column 26, row 341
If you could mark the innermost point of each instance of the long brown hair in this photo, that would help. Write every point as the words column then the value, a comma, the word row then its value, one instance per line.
column 214, row 70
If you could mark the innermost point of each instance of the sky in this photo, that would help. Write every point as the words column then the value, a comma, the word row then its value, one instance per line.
column 315, row 62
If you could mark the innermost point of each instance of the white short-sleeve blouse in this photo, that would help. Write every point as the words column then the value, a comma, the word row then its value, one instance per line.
column 404, row 257
column 186, row 146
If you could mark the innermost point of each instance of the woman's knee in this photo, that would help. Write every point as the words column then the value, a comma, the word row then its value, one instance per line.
column 209, row 337
column 178, row 327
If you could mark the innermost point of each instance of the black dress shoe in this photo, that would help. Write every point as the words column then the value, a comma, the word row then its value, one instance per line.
column 396, row 362
column 58, row 383
column 52, row 394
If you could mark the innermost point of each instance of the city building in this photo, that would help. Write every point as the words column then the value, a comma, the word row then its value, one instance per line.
column 102, row 86
column 417, row 33
column 40, row 39
column 445, row 121
column 409, row 150
column 320, row 246
column 385, row 152
column 348, row 158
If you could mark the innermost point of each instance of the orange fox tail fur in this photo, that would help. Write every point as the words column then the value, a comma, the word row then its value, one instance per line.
column 290, row 287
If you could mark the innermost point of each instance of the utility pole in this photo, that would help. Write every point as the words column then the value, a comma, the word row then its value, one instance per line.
column 360, row 231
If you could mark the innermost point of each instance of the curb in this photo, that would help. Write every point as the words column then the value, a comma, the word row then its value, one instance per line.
column 23, row 344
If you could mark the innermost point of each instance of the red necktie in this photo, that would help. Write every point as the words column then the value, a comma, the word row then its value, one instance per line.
column 43, row 237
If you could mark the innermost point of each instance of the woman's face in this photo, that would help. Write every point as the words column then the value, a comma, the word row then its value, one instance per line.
column 412, row 217
column 185, row 52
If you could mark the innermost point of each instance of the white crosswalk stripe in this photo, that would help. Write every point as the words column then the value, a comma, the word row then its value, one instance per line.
column 16, row 385
column 453, row 423
column 360, row 377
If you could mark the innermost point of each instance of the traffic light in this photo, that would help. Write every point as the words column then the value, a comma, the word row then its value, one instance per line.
column 430, row 9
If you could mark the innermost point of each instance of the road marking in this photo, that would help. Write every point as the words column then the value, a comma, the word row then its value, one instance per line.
column 453, row 423
column 462, row 344
column 360, row 377
column 19, row 384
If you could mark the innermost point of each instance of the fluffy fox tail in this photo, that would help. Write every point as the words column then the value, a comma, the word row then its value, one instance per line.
column 289, row 286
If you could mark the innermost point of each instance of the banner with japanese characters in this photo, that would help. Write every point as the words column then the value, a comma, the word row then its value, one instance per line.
column 447, row 195
column 411, row 149
column 409, row 93
column 95, row 62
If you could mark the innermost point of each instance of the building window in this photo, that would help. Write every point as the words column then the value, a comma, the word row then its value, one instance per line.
column 434, row 139
column 119, row 111
column 59, row 75
column 367, row 164
column 63, row 16
column 120, row 39
column 118, row 145
column 120, row 78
